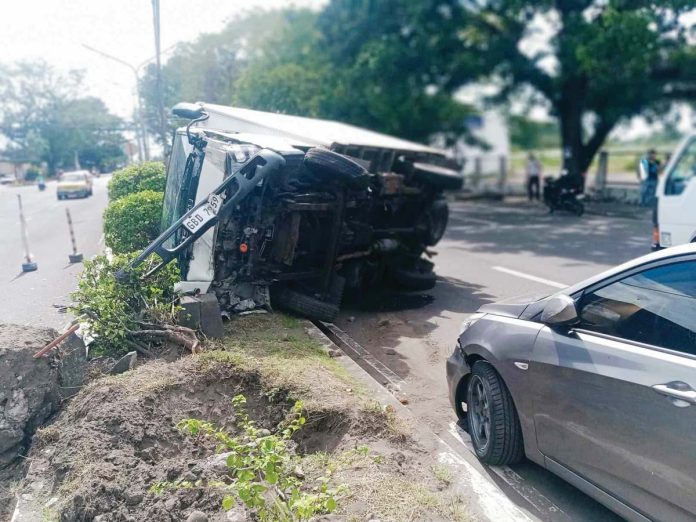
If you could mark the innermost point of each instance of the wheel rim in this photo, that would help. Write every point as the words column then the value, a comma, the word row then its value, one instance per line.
column 479, row 414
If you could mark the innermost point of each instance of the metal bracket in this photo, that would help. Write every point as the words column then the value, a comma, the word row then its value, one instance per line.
column 223, row 198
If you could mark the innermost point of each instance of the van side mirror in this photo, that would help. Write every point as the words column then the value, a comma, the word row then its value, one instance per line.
column 560, row 311
column 189, row 111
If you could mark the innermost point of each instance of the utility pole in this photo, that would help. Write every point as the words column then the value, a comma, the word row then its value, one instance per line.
column 141, row 128
column 160, row 91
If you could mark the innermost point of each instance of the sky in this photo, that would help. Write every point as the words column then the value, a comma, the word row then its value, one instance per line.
column 56, row 30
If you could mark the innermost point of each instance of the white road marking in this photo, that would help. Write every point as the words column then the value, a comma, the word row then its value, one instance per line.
column 532, row 495
column 541, row 280
column 492, row 501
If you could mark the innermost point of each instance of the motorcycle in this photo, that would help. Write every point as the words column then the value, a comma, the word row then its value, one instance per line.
column 563, row 194
column 41, row 184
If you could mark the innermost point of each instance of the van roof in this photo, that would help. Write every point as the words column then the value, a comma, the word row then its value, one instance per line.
column 315, row 132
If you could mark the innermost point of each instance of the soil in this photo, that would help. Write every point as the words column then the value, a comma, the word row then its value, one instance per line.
column 31, row 391
column 102, row 454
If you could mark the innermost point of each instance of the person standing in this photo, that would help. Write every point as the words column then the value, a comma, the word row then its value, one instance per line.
column 648, row 170
column 533, row 174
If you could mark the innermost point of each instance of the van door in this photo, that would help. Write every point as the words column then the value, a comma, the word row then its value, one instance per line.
column 677, row 198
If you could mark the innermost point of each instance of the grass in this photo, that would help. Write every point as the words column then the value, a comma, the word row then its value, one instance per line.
column 401, row 500
column 443, row 473
column 277, row 348
column 375, row 485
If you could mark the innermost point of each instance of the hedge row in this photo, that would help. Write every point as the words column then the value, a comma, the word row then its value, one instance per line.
column 132, row 218
column 136, row 178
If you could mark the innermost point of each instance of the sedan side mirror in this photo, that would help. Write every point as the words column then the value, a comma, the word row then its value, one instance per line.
column 560, row 311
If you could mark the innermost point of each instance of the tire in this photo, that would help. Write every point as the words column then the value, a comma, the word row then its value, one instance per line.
column 417, row 279
column 439, row 177
column 60, row 197
column 579, row 208
column 306, row 305
column 437, row 216
column 330, row 165
column 488, row 398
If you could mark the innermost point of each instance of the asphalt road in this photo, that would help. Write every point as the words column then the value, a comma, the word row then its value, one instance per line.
column 29, row 298
column 491, row 251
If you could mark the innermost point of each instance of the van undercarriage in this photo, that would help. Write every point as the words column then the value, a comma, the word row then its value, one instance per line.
column 294, row 226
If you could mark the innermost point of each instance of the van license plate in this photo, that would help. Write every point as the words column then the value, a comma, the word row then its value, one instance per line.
column 200, row 217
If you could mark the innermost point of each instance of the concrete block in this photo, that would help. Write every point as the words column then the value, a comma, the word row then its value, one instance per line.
column 202, row 313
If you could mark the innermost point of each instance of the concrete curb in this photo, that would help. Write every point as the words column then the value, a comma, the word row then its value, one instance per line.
column 486, row 499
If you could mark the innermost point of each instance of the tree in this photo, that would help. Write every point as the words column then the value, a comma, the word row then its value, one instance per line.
column 289, row 73
column 603, row 62
column 353, row 62
column 393, row 57
column 207, row 69
column 527, row 134
column 44, row 119
column 368, row 63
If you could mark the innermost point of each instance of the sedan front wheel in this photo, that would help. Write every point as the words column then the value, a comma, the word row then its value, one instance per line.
column 493, row 423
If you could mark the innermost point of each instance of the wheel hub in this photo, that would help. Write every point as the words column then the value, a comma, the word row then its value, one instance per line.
column 479, row 412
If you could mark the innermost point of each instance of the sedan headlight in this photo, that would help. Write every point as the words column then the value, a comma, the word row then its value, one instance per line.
column 469, row 321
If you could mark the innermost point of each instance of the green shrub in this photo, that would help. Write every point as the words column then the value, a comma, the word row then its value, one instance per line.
column 111, row 309
column 136, row 178
column 133, row 221
column 263, row 467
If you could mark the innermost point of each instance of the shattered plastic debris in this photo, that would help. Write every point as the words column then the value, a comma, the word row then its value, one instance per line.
column 245, row 305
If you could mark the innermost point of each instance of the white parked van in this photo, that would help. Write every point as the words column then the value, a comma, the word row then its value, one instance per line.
column 675, row 222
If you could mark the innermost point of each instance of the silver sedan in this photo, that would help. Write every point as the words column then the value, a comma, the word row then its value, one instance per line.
column 596, row 383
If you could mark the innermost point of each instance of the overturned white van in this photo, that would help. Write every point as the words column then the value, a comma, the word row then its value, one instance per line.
column 269, row 209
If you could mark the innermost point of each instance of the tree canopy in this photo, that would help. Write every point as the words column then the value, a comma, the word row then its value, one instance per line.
column 44, row 119
column 398, row 65
column 600, row 63
column 303, row 64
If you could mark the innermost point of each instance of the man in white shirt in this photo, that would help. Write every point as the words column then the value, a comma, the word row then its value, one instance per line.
column 533, row 175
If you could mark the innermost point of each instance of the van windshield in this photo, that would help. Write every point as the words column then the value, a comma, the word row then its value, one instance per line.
column 683, row 171
column 173, row 208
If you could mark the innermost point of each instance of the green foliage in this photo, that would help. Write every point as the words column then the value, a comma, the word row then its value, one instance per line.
column 111, row 309
column 606, row 62
column 136, row 178
column 263, row 468
column 32, row 173
column 45, row 119
column 526, row 134
column 133, row 221
column 297, row 61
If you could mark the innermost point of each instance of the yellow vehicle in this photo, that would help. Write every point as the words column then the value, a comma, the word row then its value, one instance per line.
column 77, row 183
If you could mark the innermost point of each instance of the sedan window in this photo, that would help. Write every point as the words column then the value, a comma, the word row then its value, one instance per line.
column 657, row 307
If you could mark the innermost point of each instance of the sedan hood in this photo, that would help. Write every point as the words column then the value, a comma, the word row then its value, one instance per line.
column 512, row 307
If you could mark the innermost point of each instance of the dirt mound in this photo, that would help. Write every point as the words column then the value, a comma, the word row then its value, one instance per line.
column 108, row 454
column 31, row 391
column 118, row 438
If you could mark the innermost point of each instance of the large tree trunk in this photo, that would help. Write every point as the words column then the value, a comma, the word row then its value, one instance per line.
column 578, row 153
column 570, row 115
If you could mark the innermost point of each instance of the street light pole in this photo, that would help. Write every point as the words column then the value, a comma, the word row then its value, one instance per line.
column 158, row 62
column 141, row 129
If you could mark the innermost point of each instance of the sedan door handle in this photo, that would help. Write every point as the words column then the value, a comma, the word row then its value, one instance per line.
column 677, row 390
